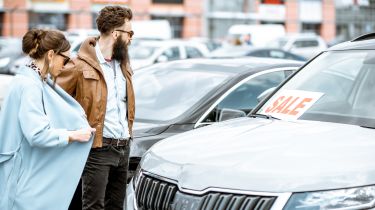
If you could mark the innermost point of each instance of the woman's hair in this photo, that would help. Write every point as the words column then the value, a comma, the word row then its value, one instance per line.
column 37, row 42
column 111, row 17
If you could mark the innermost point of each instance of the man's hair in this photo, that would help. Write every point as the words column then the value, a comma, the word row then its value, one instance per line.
column 111, row 17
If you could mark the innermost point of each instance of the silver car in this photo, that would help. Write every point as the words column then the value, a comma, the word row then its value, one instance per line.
column 309, row 145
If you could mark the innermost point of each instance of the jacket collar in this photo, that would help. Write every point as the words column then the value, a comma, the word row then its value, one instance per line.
column 87, row 52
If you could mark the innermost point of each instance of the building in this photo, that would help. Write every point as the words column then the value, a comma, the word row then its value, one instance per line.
column 191, row 18
column 354, row 18
column 17, row 16
column 316, row 16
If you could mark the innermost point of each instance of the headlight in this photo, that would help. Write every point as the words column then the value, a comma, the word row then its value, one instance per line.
column 353, row 198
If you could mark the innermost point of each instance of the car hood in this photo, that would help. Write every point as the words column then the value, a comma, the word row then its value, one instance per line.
column 267, row 156
column 144, row 132
column 141, row 129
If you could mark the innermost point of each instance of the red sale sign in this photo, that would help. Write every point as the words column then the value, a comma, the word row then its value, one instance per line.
column 291, row 104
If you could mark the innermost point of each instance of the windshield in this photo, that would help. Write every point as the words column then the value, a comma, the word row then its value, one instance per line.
column 166, row 91
column 335, row 87
column 278, row 43
column 141, row 52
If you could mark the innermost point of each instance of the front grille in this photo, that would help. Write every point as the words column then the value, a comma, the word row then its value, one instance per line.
column 155, row 194
column 222, row 201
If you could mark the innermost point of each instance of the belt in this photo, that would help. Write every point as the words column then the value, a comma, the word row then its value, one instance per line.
column 115, row 142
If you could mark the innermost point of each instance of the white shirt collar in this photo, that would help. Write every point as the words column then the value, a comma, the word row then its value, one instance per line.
column 99, row 54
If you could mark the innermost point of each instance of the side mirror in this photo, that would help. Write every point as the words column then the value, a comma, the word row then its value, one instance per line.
column 162, row 59
column 265, row 93
column 227, row 114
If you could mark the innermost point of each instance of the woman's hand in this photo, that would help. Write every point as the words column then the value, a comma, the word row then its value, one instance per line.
column 82, row 135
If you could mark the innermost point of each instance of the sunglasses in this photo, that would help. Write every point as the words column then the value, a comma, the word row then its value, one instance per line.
column 66, row 58
column 130, row 33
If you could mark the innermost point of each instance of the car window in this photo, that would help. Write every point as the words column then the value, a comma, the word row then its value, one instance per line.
column 306, row 43
column 259, row 53
column 141, row 52
column 291, row 56
column 342, row 82
column 165, row 92
column 277, row 54
column 172, row 53
column 244, row 97
column 192, row 52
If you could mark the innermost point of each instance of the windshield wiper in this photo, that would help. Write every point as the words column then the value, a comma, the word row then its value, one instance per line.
column 266, row 116
column 369, row 127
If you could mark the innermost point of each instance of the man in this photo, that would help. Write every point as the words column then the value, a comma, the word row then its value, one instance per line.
column 247, row 39
column 100, row 80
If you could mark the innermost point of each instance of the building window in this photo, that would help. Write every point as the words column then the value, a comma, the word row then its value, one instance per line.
column 311, row 28
column 168, row 1
column 47, row 21
column 175, row 22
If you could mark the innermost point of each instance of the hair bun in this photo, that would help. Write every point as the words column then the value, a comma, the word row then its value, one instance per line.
column 38, row 35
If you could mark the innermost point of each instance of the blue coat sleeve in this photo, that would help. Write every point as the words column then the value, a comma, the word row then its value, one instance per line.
column 34, row 123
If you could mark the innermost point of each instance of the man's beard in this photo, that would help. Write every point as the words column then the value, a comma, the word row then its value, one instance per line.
column 120, row 51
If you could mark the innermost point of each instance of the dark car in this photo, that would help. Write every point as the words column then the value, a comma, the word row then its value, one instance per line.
column 240, row 51
column 180, row 96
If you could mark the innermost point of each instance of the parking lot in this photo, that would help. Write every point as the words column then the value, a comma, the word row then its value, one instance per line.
column 239, row 105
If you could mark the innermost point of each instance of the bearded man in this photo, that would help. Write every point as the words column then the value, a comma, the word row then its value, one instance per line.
column 100, row 79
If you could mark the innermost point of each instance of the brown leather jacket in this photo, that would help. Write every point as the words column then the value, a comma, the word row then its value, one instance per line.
column 84, row 80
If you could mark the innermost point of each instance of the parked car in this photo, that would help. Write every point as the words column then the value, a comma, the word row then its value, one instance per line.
column 180, row 96
column 10, row 51
column 146, row 53
column 306, row 45
column 211, row 44
column 308, row 145
column 5, row 81
column 240, row 51
column 259, row 34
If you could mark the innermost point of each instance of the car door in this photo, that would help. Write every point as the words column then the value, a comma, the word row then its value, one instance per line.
column 243, row 97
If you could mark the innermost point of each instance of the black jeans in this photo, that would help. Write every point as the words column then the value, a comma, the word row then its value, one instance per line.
column 104, row 178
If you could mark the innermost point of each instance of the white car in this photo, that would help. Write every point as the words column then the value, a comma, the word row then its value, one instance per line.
column 5, row 81
column 306, row 45
column 146, row 53
column 307, row 146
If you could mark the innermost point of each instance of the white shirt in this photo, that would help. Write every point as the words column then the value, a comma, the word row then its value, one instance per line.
column 115, row 122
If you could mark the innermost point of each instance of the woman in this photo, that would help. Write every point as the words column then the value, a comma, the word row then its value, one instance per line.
column 44, row 135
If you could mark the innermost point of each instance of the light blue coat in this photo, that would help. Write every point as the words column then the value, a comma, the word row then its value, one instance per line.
column 38, row 168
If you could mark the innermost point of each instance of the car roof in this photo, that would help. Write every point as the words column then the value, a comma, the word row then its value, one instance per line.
column 231, row 51
column 300, row 35
column 365, row 42
column 230, row 66
column 159, row 43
